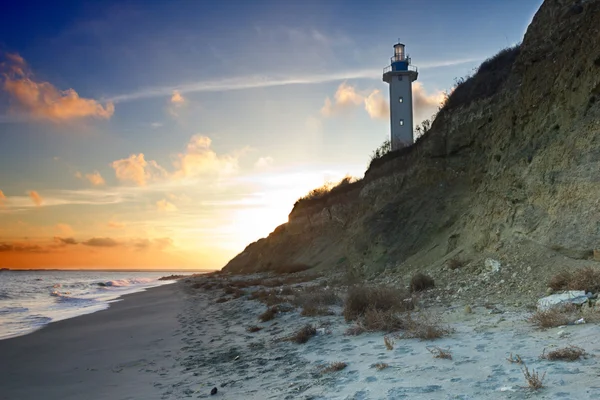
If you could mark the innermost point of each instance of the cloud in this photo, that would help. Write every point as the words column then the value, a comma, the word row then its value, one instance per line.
column 2, row 198
column 156, row 125
column 115, row 225
column 425, row 105
column 263, row 162
column 345, row 98
column 199, row 159
column 21, row 248
column 101, row 242
column 159, row 243
column 95, row 178
column 252, row 82
column 177, row 98
column 377, row 106
column 66, row 241
column 164, row 205
column 36, row 198
column 132, row 169
column 42, row 100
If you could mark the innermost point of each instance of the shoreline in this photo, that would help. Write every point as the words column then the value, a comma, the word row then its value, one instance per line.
column 116, row 353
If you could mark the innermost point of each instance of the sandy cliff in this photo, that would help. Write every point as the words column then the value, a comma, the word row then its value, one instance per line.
column 510, row 169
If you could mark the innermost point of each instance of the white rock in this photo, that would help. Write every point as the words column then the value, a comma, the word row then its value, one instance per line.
column 571, row 296
column 492, row 265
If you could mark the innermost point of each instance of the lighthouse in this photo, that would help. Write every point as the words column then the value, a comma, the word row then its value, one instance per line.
column 400, row 75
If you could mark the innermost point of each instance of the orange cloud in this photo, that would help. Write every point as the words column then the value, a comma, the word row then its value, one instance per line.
column 42, row 100
column 21, row 248
column 36, row 198
column 95, row 178
column 164, row 205
column 377, row 106
column 177, row 98
column 2, row 198
column 200, row 159
column 66, row 241
column 345, row 98
column 136, row 169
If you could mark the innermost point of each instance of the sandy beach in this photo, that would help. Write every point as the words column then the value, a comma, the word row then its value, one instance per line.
column 178, row 341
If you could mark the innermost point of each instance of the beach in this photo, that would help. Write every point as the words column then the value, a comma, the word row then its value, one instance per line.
column 186, row 339
column 119, row 353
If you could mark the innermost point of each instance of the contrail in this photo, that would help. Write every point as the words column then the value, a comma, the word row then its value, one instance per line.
column 253, row 82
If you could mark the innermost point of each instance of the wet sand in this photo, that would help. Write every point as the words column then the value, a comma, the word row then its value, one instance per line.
column 125, row 352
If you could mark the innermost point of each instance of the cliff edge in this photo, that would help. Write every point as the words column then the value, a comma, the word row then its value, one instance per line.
column 509, row 170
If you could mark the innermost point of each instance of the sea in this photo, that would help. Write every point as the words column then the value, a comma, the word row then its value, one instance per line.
column 30, row 300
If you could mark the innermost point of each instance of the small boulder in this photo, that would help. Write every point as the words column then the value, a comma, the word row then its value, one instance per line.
column 468, row 309
column 492, row 265
column 214, row 391
column 577, row 297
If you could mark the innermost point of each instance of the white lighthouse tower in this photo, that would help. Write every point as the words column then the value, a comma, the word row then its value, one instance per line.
column 400, row 74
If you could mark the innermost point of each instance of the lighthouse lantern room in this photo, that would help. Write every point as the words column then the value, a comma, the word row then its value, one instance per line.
column 399, row 75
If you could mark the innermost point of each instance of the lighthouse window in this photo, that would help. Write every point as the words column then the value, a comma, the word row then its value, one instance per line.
column 400, row 99
column 401, row 122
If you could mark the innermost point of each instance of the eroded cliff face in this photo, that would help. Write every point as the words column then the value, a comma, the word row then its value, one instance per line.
column 513, row 165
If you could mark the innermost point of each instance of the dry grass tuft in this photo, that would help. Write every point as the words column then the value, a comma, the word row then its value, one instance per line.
column 533, row 378
column 222, row 300
column 555, row 316
column 268, row 315
column 389, row 343
column 425, row 327
column 253, row 328
column 439, row 352
column 420, row 282
column 355, row 330
column 587, row 279
column 334, row 367
column 378, row 298
column 381, row 366
column 303, row 334
column 570, row 353
column 515, row 360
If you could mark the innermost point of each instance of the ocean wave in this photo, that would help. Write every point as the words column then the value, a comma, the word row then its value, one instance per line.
column 126, row 282
column 12, row 310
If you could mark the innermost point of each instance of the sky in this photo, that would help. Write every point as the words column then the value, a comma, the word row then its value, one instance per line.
column 173, row 134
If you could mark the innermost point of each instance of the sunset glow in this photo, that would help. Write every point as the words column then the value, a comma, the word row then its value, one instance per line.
column 146, row 136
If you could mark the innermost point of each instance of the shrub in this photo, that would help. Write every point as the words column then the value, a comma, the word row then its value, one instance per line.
column 570, row 353
column 454, row 263
column 303, row 334
column 380, row 366
column 253, row 328
column 439, row 352
column 267, row 297
column 382, row 150
column 375, row 320
column 420, row 282
column 555, row 316
column 376, row 298
column 268, row 315
column 222, row 300
column 533, row 379
column 334, row 367
column 425, row 327
column 389, row 343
